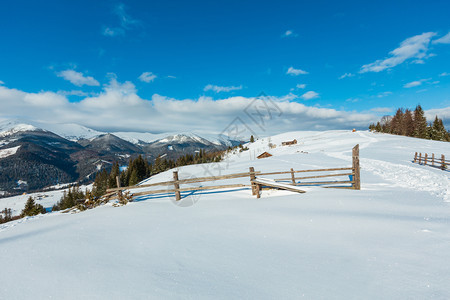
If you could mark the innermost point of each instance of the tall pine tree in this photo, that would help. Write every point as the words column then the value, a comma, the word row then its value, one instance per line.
column 420, row 123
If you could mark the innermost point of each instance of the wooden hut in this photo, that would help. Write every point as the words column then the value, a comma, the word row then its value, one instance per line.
column 264, row 155
column 289, row 143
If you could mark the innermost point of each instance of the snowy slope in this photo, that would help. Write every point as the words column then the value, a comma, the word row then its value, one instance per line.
column 10, row 127
column 137, row 137
column 8, row 151
column 72, row 132
column 390, row 240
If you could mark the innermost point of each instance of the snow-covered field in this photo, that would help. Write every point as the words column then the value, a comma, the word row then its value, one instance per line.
column 390, row 240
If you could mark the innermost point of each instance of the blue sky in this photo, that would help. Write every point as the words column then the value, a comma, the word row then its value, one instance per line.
column 352, row 57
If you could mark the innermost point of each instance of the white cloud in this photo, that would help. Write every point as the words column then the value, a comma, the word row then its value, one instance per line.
column 1, row 82
column 381, row 109
column 119, row 108
column 107, row 31
column 218, row 89
column 74, row 93
column 444, row 74
column 413, row 84
column 443, row 40
column 346, row 75
column 310, row 95
column 413, row 47
column 384, row 94
column 147, row 77
column 289, row 33
column 170, row 76
column 295, row 72
column 125, row 20
column 77, row 78
column 301, row 86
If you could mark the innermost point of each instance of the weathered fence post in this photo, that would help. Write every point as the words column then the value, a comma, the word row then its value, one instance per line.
column 443, row 162
column 293, row 176
column 252, row 177
column 420, row 158
column 415, row 157
column 426, row 157
column 355, row 167
column 432, row 159
column 176, row 186
column 119, row 193
column 258, row 191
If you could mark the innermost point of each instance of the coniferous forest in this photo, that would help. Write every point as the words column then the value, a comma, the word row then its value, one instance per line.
column 413, row 124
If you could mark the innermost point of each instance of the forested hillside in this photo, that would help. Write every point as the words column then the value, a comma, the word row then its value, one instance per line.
column 412, row 123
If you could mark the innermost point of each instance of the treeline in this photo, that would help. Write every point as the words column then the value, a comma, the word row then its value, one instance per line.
column 6, row 216
column 412, row 123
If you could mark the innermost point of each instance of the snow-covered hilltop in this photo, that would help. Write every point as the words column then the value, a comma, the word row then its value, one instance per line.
column 387, row 241
column 11, row 127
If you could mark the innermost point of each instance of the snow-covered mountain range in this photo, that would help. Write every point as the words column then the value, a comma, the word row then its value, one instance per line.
column 64, row 153
column 76, row 132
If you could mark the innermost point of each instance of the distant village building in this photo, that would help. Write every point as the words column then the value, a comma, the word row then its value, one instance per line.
column 289, row 143
column 264, row 155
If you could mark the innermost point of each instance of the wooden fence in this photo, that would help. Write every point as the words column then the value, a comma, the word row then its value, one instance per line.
column 294, row 180
column 431, row 160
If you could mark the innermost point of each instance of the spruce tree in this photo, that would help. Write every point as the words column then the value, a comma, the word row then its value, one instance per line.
column 32, row 208
column 115, row 171
column 134, row 179
column 420, row 123
column 438, row 130
column 378, row 127
column 408, row 127
column 397, row 122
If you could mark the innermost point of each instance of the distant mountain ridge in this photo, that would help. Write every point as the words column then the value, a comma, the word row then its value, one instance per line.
column 76, row 132
column 39, row 156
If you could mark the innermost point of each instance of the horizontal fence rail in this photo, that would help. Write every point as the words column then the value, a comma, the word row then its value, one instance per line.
column 431, row 160
column 174, row 186
column 189, row 180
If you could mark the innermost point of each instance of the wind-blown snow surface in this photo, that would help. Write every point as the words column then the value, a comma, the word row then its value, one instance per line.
column 390, row 240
